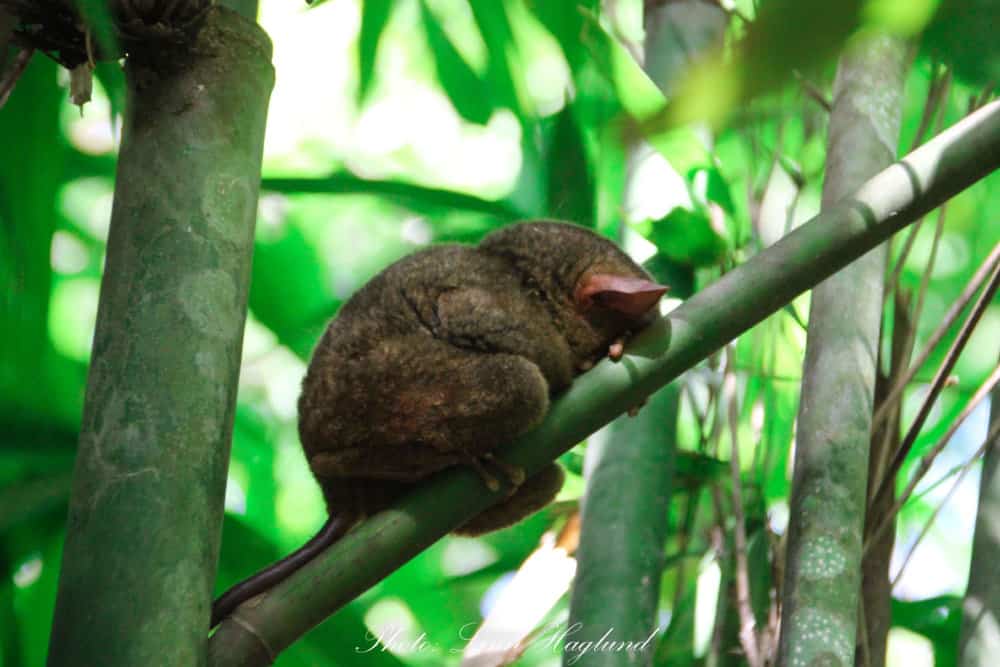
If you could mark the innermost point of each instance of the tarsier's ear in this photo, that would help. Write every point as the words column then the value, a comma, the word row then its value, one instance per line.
column 624, row 294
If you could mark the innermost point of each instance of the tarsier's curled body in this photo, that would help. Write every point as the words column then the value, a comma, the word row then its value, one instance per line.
column 452, row 352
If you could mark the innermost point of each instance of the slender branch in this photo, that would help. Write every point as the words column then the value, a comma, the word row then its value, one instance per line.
column 9, row 78
column 928, row 458
column 925, row 279
column 963, row 471
column 978, row 278
column 813, row 92
column 897, row 269
column 938, row 92
column 937, row 384
column 344, row 183
column 748, row 633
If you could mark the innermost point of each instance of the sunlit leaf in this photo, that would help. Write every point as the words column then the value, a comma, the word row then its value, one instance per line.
column 688, row 236
column 375, row 16
column 471, row 98
column 494, row 26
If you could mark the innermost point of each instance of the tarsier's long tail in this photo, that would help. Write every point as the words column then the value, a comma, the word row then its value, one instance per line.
column 334, row 528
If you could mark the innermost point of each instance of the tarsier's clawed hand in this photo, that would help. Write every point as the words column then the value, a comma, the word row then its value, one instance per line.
column 616, row 349
column 634, row 410
column 615, row 352
column 515, row 474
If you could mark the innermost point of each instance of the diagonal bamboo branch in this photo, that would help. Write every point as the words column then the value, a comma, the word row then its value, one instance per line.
column 743, row 297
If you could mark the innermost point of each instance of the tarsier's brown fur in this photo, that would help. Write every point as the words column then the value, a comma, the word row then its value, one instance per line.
column 455, row 350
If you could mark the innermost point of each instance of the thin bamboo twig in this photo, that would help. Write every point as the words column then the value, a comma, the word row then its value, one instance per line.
column 9, row 78
column 937, row 384
column 897, row 269
column 935, row 95
column 931, row 104
column 928, row 459
column 978, row 278
column 748, row 631
column 926, row 278
column 962, row 472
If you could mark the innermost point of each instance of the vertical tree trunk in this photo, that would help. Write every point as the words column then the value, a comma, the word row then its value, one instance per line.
column 146, row 507
column 876, row 588
column 620, row 557
column 828, row 500
column 980, row 642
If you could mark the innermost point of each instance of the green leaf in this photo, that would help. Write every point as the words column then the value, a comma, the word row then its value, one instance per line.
column 467, row 92
column 289, row 291
column 939, row 619
column 642, row 100
column 771, row 51
column 639, row 96
column 571, row 186
column 565, row 20
column 963, row 34
column 95, row 13
column 679, row 276
column 375, row 16
column 688, row 237
column 417, row 198
column 708, row 185
column 695, row 470
column 30, row 498
column 29, row 126
column 676, row 647
column 112, row 79
column 494, row 26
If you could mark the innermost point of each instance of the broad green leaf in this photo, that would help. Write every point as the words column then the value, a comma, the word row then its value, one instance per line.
column 375, row 16
column 418, row 198
column 939, row 619
column 289, row 292
column 494, row 26
column 688, row 237
column 639, row 96
column 471, row 98
column 571, row 185
column 678, row 275
column 565, row 20
column 708, row 185
column 963, row 34
column 29, row 126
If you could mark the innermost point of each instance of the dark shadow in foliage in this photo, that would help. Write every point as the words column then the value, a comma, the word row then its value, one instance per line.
column 963, row 34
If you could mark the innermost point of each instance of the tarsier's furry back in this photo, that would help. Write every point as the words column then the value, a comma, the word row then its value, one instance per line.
column 455, row 350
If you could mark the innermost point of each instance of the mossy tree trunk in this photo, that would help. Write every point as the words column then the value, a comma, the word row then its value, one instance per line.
column 146, row 508
column 827, row 505
column 980, row 639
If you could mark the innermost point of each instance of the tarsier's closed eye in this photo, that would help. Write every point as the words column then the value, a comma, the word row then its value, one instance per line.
column 624, row 294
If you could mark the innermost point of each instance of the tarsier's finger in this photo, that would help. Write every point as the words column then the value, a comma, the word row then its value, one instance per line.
column 616, row 349
column 634, row 410
column 515, row 474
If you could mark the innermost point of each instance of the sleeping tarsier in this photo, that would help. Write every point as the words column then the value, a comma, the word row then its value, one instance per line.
column 448, row 354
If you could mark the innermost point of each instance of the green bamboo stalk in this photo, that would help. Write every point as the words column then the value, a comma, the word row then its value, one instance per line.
column 888, row 202
column 980, row 639
column 616, row 590
column 828, row 499
column 146, row 506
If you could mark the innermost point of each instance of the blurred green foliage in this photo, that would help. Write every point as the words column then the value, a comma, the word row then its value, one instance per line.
column 401, row 123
